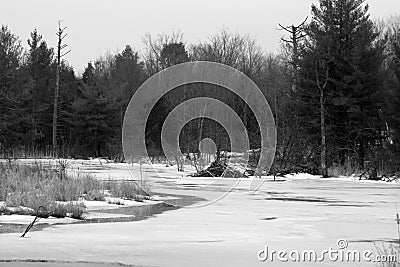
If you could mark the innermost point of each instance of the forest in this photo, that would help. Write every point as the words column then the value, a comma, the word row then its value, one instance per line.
column 334, row 90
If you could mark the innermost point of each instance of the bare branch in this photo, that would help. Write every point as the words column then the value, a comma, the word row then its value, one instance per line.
column 65, row 53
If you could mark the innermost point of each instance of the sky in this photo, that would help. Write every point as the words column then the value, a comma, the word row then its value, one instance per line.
column 97, row 27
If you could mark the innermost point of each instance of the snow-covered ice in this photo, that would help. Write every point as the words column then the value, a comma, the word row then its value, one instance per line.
column 299, row 212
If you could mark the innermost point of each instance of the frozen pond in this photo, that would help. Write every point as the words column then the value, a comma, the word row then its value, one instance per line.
column 294, row 213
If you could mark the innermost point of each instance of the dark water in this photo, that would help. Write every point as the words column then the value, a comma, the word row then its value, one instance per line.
column 146, row 211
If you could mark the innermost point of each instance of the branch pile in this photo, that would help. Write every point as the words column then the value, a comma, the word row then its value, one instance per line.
column 219, row 169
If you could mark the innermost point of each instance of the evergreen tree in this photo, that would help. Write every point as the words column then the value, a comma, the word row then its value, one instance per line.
column 91, row 117
column 173, row 54
column 127, row 75
column 392, row 84
column 41, row 74
column 342, row 51
column 10, row 108
column 103, row 95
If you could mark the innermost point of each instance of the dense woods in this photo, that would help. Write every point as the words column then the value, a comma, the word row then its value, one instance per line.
column 335, row 96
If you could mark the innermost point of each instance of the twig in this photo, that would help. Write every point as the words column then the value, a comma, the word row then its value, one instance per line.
column 37, row 218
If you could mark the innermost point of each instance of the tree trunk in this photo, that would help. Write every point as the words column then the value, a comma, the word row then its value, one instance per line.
column 56, row 92
column 56, row 104
column 324, row 170
column 61, row 36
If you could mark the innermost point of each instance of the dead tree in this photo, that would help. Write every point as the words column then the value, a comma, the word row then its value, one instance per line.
column 296, row 34
column 61, row 35
column 322, row 114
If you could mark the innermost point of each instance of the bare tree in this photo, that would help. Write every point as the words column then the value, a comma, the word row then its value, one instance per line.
column 153, row 48
column 238, row 51
column 296, row 34
column 61, row 35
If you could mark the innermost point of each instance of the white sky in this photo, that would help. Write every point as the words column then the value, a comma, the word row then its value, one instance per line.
column 98, row 26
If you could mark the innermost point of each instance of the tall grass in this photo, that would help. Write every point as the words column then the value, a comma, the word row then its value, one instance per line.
column 349, row 167
column 33, row 186
column 391, row 249
column 127, row 189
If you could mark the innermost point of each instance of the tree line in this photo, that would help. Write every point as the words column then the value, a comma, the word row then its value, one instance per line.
column 334, row 92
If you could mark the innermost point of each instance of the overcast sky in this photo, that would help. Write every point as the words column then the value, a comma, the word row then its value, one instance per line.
column 98, row 26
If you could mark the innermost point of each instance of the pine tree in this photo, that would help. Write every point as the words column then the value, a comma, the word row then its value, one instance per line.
column 392, row 84
column 10, row 108
column 92, row 116
column 341, row 49
column 40, row 66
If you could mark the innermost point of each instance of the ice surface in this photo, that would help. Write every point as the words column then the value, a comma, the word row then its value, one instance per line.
column 300, row 212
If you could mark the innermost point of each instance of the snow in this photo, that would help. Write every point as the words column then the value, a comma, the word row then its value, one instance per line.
column 27, row 219
column 300, row 212
column 109, row 203
column 101, row 215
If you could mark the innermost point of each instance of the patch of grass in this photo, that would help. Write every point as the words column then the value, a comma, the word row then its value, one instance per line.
column 95, row 196
column 76, row 210
column 33, row 186
column 30, row 199
column 125, row 189
column 347, row 169
column 390, row 252
column 71, row 209
column 115, row 201
column 16, row 210
column 57, row 210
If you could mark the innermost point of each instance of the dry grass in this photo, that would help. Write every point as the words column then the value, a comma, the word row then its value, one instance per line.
column 33, row 186
column 390, row 253
column 24, row 188
column 347, row 169
column 74, row 210
column 390, row 250
column 126, row 189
